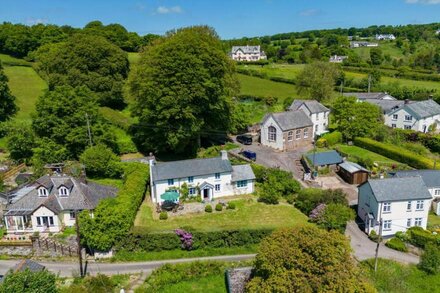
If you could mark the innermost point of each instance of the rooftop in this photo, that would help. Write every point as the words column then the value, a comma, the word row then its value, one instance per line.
column 376, row 96
column 325, row 158
column 352, row 167
column 313, row 106
column 290, row 120
column 246, row 49
column 242, row 172
column 421, row 109
column 430, row 177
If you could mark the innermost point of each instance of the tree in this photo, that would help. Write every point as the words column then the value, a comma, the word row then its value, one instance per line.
column 306, row 259
column 100, row 161
column 318, row 79
column 335, row 217
column 29, row 282
column 20, row 141
column 7, row 101
column 430, row 259
column 355, row 119
column 62, row 114
column 87, row 60
column 183, row 86
column 376, row 56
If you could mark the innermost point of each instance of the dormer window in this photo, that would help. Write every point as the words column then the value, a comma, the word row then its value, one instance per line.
column 63, row 191
column 42, row 192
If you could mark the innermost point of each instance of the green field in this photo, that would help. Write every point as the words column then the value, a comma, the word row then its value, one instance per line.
column 255, row 86
column 212, row 284
column 9, row 60
column 289, row 71
column 248, row 214
column 364, row 154
column 26, row 85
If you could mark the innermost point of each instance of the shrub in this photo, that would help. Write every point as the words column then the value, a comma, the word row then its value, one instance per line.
column 268, row 197
column 186, row 239
column 163, row 216
column 402, row 236
column 335, row 217
column 208, row 208
column 374, row 237
column 430, row 259
column 290, row 199
column 218, row 207
column 396, row 244
column 100, row 161
column 420, row 237
column 321, row 143
column 310, row 198
column 27, row 281
column 231, row 205
column 333, row 138
column 396, row 153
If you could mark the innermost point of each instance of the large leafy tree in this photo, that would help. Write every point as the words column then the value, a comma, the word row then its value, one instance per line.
column 318, row 80
column 62, row 116
column 29, row 282
column 86, row 60
column 306, row 259
column 355, row 119
column 183, row 86
column 7, row 101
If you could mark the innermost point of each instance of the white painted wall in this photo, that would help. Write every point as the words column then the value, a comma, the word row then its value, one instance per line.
column 67, row 221
column 417, row 125
column 278, row 144
column 43, row 211
column 240, row 56
column 320, row 120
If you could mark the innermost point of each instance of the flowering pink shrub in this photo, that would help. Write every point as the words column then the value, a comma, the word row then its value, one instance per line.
column 186, row 238
column 317, row 212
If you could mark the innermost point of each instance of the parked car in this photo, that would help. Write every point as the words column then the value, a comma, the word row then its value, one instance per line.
column 245, row 139
column 249, row 154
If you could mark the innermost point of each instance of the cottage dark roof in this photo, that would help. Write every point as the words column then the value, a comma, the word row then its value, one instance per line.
column 313, row 106
column 187, row 168
column 385, row 105
column 398, row 189
column 246, row 49
column 325, row 158
column 290, row 120
column 352, row 167
column 242, row 172
column 375, row 96
column 421, row 109
column 45, row 182
column 28, row 264
column 82, row 196
column 430, row 177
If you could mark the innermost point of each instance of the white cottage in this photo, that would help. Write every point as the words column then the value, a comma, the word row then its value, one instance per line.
column 399, row 203
column 247, row 53
column 51, row 202
column 210, row 178
column 317, row 112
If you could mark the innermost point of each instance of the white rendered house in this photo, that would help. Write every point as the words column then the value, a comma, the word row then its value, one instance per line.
column 399, row 203
column 247, row 53
column 51, row 203
column 317, row 112
column 210, row 178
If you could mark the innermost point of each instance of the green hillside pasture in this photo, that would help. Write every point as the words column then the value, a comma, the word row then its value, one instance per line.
column 133, row 57
column 7, row 60
column 255, row 86
column 289, row 71
column 26, row 86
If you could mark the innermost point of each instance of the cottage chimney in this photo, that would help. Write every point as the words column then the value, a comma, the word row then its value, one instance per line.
column 151, row 159
column 224, row 155
column 406, row 101
column 430, row 97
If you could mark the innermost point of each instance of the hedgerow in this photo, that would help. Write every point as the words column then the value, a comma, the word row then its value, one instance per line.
column 113, row 217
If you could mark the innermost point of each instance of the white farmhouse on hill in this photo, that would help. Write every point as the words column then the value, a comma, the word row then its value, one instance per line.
column 381, row 37
column 247, row 53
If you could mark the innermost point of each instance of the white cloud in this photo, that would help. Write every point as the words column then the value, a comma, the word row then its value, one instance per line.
column 429, row 2
column 309, row 12
column 32, row 21
column 169, row 10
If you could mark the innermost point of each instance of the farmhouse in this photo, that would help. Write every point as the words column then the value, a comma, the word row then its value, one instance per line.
column 382, row 37
column 399, row 203
column 247, row 53
column 51, row 202
column 356, row 44
column 371, row 96
column 317, row 112
column 210, row 178
column 420, row 116
column 337, row 59
column 287, row 130
column 353, row 173
column 384, row 101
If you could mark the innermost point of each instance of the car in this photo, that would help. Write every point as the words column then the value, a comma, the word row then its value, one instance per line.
column 249, row 154
column 245, row 139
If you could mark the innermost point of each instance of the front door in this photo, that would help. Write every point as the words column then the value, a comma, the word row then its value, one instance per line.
column 206, row 194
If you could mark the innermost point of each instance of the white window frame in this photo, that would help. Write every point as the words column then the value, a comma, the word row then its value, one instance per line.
column 408, row 117
column 393, row 125
column 395, row 116
column 43, row 192
column 408, row 222
column 409, row 206
column 298, row 134
column 387, row 225
column 271, row 133
column 192, row 191
column 407, row 127
column 217, row 187
column 420, row 205
column 306, row 132
column 217, row 176
column 63, row 191
column 190, row 179
column 72, row 215
column 437, row 192
column 242, row 184
column 386, row 207
column 418, row 222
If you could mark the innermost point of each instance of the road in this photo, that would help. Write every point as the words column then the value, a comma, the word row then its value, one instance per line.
column 364, row 248
column 67, row 269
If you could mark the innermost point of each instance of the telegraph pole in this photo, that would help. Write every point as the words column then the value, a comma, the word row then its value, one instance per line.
column 369, row 83
column 88, row 129
column 78, row 239
column 378, row 244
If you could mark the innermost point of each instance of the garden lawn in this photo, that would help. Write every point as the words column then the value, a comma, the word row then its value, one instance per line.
column 392, row 277
column 249, row 214
column 26, row 86
column 9, row 60
column 255, row 86
column 212, row 284
column 364, row 154
column 433, row 219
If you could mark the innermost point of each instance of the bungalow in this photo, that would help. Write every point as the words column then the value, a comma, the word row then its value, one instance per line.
column 421, row 116
column 51, row 202
column 317, row 112
column 287, row 130
column 397, row 203
column 210, row 178
column 247, row 53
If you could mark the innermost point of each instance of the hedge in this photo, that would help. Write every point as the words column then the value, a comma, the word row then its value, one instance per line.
column 420, row 237
column 394, row 152
column 396, row 244
column 333, row 138
column 113, row 217
column 136, row 242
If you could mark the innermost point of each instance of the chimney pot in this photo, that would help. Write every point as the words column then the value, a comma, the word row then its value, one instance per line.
column 406, row 101
column 224, row 155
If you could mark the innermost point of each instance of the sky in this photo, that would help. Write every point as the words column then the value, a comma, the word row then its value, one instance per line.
column 230, row 18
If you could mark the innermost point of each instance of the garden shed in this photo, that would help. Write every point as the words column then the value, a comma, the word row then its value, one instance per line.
column 353, row 173
column 325, row 159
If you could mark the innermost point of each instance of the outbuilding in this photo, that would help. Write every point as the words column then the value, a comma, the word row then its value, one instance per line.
column 353, row 173
column 325, row 159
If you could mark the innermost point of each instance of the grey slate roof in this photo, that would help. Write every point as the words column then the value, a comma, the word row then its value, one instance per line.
column 399, row 189
column 325, row 158
column 385, row 105
column 313, row 106
column 421, row 109
column 28, row 264
column 187, row 168
column 290, row 120
column 246, row 49
column 242, row 172
column 352, row 167
column 363, row 96
column 430, row 177
column 82, row 196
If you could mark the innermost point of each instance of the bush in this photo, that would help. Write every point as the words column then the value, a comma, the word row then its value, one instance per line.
column 430, row 259
column 321, row 143
column 231, row 205
column 218, row 207
column 100, row 161
column 402, row 236
column 28, row 282
column 420, row 237
column 396, row 244
column 374, row 237
column 335, row 217
column 208, row 208
column 310, row 198
column 396, row 153
column 333, row 138
column 163, row 216
column 268, row 197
